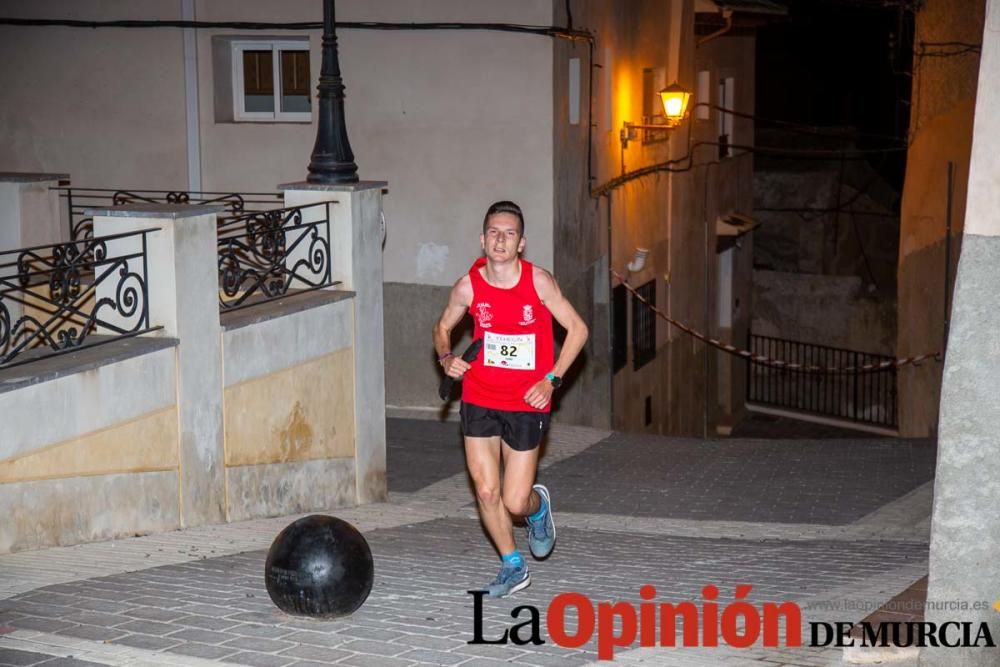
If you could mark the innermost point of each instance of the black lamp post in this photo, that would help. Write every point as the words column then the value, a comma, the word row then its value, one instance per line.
column 332, row 161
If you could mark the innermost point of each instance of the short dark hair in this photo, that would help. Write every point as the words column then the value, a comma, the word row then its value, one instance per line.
column 504, row 207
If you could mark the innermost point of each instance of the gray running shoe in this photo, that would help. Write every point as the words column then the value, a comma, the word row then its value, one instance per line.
column 542, row 533
column 509, row 580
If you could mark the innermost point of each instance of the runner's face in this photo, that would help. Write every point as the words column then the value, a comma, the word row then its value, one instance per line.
column 502, row 240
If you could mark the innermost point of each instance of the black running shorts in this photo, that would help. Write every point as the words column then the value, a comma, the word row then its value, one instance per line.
column 521, row 430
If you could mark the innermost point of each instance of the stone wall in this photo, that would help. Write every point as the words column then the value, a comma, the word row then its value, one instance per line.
column 819, row 218
column 837, row 311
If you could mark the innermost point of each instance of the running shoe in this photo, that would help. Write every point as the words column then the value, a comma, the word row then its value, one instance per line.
column 542, row 533
column 509, row 580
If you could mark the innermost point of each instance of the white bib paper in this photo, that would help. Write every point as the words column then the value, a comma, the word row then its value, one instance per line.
column 509, row 351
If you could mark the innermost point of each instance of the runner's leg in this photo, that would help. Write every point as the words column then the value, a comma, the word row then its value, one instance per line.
column 519, row 469
column 482, row 456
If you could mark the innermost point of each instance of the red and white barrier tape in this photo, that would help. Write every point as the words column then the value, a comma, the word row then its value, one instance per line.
column 777, row 363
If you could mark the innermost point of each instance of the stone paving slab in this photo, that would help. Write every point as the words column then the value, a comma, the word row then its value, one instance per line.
column 419, row 611
column 764, row 481
column 12, row 657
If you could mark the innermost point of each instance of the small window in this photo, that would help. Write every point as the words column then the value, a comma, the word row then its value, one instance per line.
column 574, row 91
column 727, row 100
column 703, row 110
column 726, row 289
column 271, row 81
column 644, row 326
column 619, row 328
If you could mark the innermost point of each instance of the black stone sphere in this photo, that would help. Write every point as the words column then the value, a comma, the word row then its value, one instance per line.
column 319, row 566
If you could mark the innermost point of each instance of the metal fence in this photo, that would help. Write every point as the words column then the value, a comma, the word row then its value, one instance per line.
column 863, row 397
column 78, row 200
column 267, row 255
column 63, row 297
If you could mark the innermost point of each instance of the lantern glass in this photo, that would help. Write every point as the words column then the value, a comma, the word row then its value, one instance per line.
column 675, row 103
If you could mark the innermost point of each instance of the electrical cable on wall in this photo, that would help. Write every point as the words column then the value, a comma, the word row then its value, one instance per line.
column 803, row 128
column 947, row 49
column 550, row 31
column 789, row 153
column 669, row 166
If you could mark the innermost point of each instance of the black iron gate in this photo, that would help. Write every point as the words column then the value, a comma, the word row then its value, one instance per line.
column 864, row 397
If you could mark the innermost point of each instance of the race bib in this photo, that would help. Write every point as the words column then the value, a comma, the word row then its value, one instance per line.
column 509, row 351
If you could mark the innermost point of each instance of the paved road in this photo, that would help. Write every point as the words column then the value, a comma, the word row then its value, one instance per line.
column 819, row 523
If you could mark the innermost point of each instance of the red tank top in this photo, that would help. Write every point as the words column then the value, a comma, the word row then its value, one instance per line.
column 518, row 347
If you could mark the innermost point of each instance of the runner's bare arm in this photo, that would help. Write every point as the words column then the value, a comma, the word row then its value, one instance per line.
column 576, row 334
column 564, row 313
column 458, row 303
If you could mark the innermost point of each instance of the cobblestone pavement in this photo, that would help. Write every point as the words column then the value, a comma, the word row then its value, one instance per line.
column 196, row 597
column 413, row 459
column 787, row 481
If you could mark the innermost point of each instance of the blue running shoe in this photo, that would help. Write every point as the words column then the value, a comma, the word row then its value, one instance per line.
column 542, row 533
column 509, row 580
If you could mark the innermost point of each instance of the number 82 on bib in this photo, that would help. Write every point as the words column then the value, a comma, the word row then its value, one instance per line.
column 509, row 351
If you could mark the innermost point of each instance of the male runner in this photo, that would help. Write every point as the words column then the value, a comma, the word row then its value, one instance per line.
column 507, row 390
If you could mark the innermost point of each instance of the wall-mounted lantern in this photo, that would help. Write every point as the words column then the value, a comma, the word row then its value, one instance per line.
column 675, row 104
column 675, row 100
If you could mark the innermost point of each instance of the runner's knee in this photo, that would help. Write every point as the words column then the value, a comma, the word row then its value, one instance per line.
column 517, row 504
column 488, row 494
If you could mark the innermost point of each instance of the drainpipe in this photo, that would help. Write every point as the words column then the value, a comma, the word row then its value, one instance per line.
column 611, row 324
column 947, row 256
column 727, row 14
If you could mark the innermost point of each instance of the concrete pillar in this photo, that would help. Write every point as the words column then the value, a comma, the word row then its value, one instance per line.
column 183, row 283
column 29, row 210
column 965, row 530
column 356, row 261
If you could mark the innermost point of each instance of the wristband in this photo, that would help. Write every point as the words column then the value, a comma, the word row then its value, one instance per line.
column 445, row 356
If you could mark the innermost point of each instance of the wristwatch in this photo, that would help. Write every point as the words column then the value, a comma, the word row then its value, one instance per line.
column 554, row 380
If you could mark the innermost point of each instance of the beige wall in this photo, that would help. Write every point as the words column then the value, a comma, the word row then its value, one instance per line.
column 943, row 100
column 72, row 100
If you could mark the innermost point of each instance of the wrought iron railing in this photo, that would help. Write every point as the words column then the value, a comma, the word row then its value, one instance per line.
column 867, row 397
column 63, row 297
column 78, row 200
column 267, row 255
